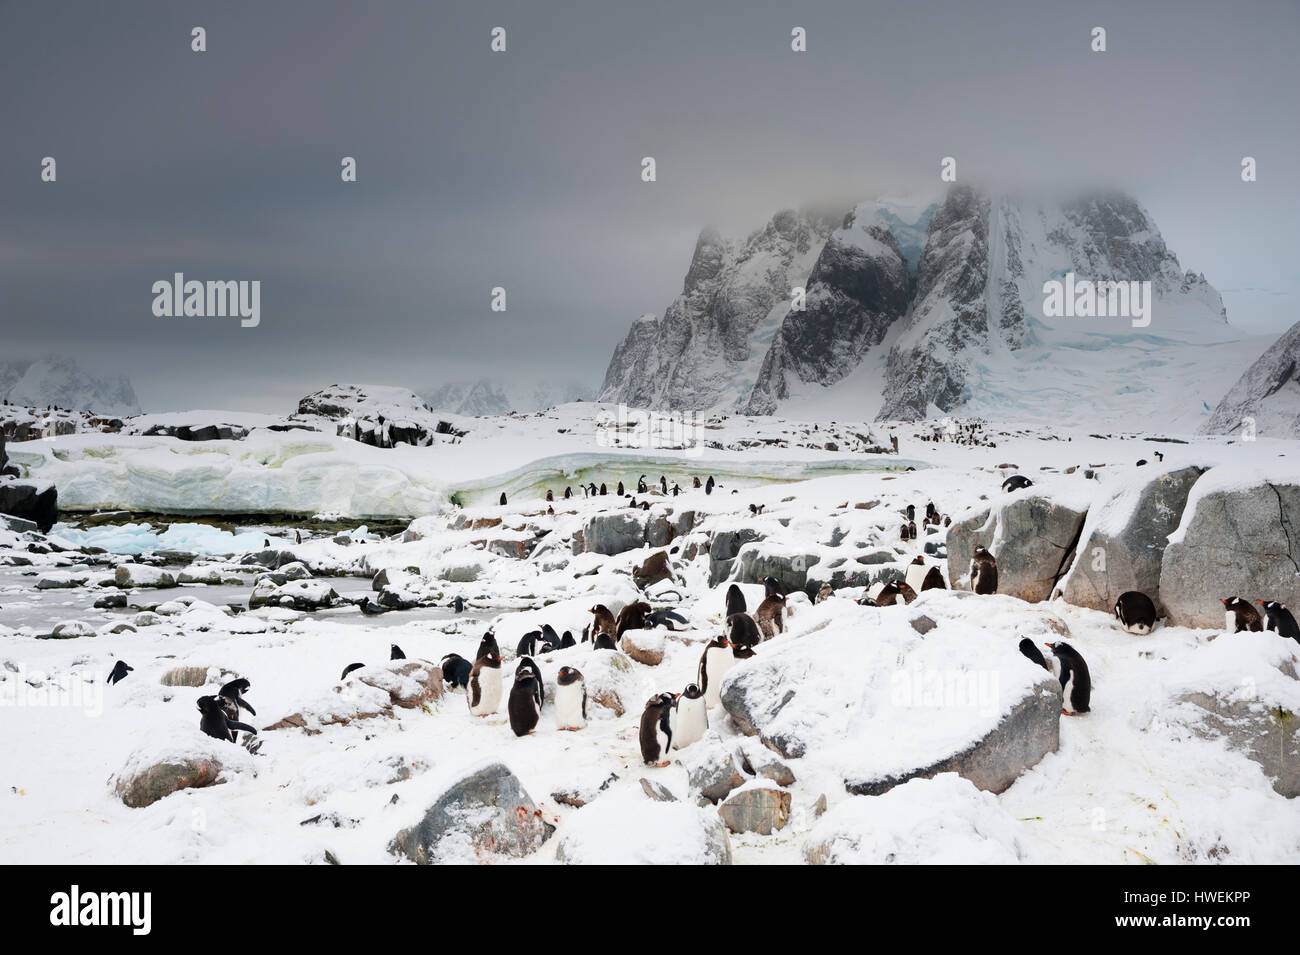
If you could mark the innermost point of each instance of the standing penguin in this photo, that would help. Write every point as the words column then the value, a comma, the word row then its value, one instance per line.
column 1279, row 619
column 621, row 490
column 770, row 616
column 233, row 692
column 484, row 694
column 1135, row 612
column 911, row 513
column 550, row 639
column 916, row 572
column 458, row 604
column 570, row 699
column 395, row 652
column 1076, row 683
column 215, row 721
column 120, row 669
column 826, row 591
column 743, row 630
column 657, row 730
column 771, row 587
column 522, row 706
column 735, row 600
column 632, row 617
column 663, row 485
column 528, row 665
column 568, row 493
column 983, row 572
column 604, row 621
column 692, row 717
column 1240, row 615
column 708, row 487
column 502, row 502
column 716, row 660
column 641, row 487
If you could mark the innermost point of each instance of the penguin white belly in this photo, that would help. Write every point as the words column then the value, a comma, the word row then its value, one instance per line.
column 916, row 576
column 489, row 684
column 665, row 741
column 1067, row 694
column 568, row 707
column 717, row 662
column 692, row 721
column 1230, row 621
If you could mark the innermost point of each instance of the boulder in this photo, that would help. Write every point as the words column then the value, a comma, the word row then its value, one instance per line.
column 644, row 646
column 760, row 809
column 724, row 546
column 653, row 569
column 1032, row 536
column 482, row 815
column 615, row 532
column 35, row 501
column 1268, row 735
column 711, row 769
column 1232, row 540
column 179, row 759
column 368, row 693
column 626, row 828
column 1124, row 541
column 72, row 628
column 127, row 576
column 790, row 568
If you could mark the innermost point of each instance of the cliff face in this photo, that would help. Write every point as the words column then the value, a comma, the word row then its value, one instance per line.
column 1268, row 393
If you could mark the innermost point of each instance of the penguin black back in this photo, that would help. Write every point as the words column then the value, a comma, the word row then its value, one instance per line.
column 1280, row 620
column 1030, row 649
column 395, row 653
column 1135, row 611
column 349, row 668
column 735, row 600
column 522, row 705
column 743, row 630
column 119, row 672
column 456, row 670
column 1076, row 681
column 487, row 645
column 656, row 734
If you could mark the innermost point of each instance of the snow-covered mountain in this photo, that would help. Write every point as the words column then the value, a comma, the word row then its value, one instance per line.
column 488, row 397
column 60, row 381
column 915, row 309
column 1269, row 393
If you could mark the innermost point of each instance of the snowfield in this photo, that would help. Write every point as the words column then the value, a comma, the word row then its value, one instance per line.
column 354, row 771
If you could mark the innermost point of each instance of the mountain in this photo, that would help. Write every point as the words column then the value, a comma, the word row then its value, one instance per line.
column 488, row 397
column 915, row 309
column 60, row 381
column 1269, row 392
column 708, row 349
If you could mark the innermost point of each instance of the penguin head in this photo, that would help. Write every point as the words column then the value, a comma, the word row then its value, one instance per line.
column 1233, row 603
column 692, row 692
column 208, row 705
column 1271, row 606
column 980, row 551
column 568, row 675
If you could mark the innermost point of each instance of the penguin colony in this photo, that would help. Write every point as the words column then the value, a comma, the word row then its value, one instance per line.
column 674, row 720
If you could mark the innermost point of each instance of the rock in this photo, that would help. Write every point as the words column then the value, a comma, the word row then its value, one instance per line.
column 644, row 646
column 111, row 602
column 922, row 624
column 940, row 820
column 154, row 783
column 296, row 570
column 1032, row 536
column 127, row 576
column 61, row 580
column 486, row 813
column 711, row 769
column 761, row 809
column 69, row 629
column 757, row 760
column 790, row 568
column 181, row 759
column 579, row 795
column 614, row 533
column 190, row 676
column 1265, row 734
column 1235, row 541
column 1124, row 540
column 626, row 828
column 653, row 569
column 306, row 595
column 995, row 761
column 656, row 791
column 368, row 693
column 724, row 545
column 270, row 558
column 1264, row 398
column 35, row 501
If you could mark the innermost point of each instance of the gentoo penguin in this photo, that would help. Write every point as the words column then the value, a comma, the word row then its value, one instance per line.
column 770, row 616
column 603, row 490
column 621, row 491
column 456, row 670
column 771, row 587
column 528, row 665
column 888, row 594
column 570, row 699
column 604, row 621
column 297, row 537
column 916, row 572
column 1076, row 684
column 349, row 668
column 502, row 502
column 933, row 580
column 566, row 640
column 717, row 659
column 735, row 600
column 641, row 487
column 692, row 716
column 1240, row 615
column 664, row 618
column 215, row 721
column 1030, row 649
column 695, row 483
column 234, row 693
column 484, row 694
column 528, row 643
column 550, row 496
column 458, row 604
column 663, row 485
column 657, row 729
column 371, row 609
column 708, row 486
column 902, row 532
column 1278, row 619
column 604, row 641
column 983, row 572
column 742, row 630
column 1016, row 482
column 1135, row 612
column 522, row 705
column 825, row 592
column 395, row 653
column 911, row 530
column 676, row 489
column 550, row 638
column 911, row 513
column 487, row 645
column 119, row 672
column 568, row 493
column 632, row 617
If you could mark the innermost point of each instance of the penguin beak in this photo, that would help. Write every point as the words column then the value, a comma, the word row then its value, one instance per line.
column 1223, row 601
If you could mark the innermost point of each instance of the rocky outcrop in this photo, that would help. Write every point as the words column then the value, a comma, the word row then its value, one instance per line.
column 35, row 501
column 1268, row 735
column 368, row 693
column 760, row 809
column 1033, row 538
column 1265, row 401
column 1028, row 733
column 1124, row 540
column 1235, row 541
column 380, row 416
column 179, row 759
column 483, row 815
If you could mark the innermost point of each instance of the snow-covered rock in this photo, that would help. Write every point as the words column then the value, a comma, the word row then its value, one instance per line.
column 626, row 828
column 1268, row 394
column 179, row 759
column 1033, row 537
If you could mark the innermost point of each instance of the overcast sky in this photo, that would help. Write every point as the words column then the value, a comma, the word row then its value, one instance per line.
column 522, row 169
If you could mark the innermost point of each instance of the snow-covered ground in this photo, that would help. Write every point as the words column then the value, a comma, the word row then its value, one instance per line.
column 1130, row 782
